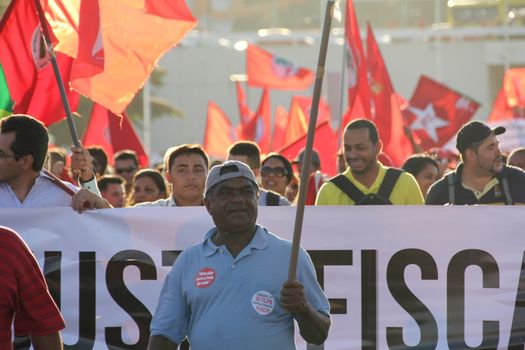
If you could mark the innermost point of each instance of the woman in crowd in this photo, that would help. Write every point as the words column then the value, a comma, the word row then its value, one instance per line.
column 276, row 173
column 424, row 168
column 147, row 186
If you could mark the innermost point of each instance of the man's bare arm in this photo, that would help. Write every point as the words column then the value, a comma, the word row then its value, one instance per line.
column 158, row 342
column 47, row 342
column 313, row 325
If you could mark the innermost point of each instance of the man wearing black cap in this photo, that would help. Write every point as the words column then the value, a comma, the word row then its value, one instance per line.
column 482, row 177
column 231, row 290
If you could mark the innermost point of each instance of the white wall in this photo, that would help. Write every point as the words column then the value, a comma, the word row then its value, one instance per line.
column 200, row 72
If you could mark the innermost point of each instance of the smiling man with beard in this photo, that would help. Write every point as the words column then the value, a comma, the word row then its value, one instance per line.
column 366, row 180
column 231, row 291
column 482, row 177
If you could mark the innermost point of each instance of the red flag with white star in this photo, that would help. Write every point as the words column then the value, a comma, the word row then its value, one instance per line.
column 436, row 112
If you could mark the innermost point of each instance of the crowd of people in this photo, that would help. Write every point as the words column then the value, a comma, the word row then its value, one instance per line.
column 32, row 176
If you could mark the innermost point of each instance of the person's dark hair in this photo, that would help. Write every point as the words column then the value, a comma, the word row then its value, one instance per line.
column 127, row 154
column 105, row 180
column 364, row 124
column 417, row 162
column 31, row 138
column 516, row 152
column 100, row 157
column 284, row 160
column 249, row 149
column 187, row 149
column 154, row 175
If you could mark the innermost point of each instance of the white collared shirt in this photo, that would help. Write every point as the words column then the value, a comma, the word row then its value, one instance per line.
column 164, row 202
column 43, row 193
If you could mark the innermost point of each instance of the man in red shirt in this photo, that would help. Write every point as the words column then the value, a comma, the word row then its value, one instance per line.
column 24, row 297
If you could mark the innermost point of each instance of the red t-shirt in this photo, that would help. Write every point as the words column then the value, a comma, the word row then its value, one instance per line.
column 23, row 292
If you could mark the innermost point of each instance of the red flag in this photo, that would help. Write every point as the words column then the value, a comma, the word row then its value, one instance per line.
column 170, row 9
column 259, row 128
column 128, row 38
column 436, row 112
column 77, row 24
column 29, row 75
column 113, row 133
column 386, row 111
column 245, row 113
column 358, row 89
column 299, row 117
column 219, row 134
column 305, row 103
column 297, row 124
column 325, row 143
column 510, row 102
column 267, row 70
column 279, row 128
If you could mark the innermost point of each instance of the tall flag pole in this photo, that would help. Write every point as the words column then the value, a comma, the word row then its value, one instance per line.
column 341, row 98
column 292, row 270
column 63, row 96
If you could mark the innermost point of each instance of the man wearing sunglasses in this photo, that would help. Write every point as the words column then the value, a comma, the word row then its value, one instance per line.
column 23, row 181
column 366, row 180
column 249, row 153
column 126, row 165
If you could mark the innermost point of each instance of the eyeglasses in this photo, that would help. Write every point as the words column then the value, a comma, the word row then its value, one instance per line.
column 125, row 170
column 277, row 171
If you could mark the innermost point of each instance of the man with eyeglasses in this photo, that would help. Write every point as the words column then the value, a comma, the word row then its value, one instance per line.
column 126, row 165
column 249, row 153
column 23, row 181
column 186, row 171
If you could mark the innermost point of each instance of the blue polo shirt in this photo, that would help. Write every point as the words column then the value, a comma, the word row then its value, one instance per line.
column 221, row 302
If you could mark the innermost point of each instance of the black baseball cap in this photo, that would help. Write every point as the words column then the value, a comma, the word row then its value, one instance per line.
column 474, row 132
column 315, row 158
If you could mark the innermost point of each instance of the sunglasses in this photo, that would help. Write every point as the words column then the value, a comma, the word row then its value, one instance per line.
column 125, row 170
column 277, row 171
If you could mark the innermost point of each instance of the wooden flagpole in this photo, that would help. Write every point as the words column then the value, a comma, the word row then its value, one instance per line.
column 58, row 76
column 305, row 171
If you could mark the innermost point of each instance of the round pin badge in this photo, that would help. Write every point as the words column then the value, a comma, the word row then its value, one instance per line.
column 263, row 302
column 205, row 278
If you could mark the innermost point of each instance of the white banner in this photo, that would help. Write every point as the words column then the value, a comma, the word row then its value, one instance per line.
column 397, row 277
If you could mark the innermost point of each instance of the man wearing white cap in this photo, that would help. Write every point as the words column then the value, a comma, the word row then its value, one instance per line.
column 231, row 291
column 482, row 177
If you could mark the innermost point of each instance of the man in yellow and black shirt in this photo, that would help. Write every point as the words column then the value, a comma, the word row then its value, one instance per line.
column 482, row 177
column 366, row 180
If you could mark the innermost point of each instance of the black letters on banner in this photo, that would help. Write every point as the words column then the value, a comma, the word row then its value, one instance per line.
column 125, row 299
column 517, row 333
column 322, row 258
column 87, row 295
column 369, row 299
column 408, row 301
column 456, row 298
